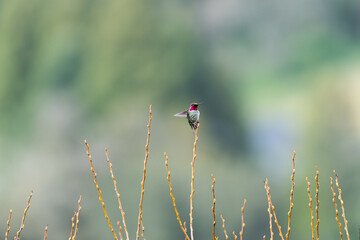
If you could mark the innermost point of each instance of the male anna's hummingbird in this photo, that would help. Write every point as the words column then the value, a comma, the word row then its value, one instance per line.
column 192, row 115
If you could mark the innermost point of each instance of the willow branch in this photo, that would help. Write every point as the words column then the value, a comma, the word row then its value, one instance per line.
column 72, row 226
column 45, row 235
column 213, row 206
column 77, row 218
column 8, row 225
column 144, row 176
column 336, row 210
column 243, row 220
column 291, row 196
column 173, row 198
column 143, row 230
column 273, row 210
column 342, row 206
column 120, row 230
column 311, row 210
column 24, row 215
column 99, row 192
column 317, row 203
column 192, row 184
column 117, row 194
column 223, row 225
column 185, row 228
column 269, row 209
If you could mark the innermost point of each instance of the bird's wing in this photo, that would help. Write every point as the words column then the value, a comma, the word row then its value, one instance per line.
column 181, row 114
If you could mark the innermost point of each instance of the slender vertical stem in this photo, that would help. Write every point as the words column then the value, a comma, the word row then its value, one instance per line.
column 311, row 210
column 335, row 206
column 8, row 225
column 45, row 235
column 213, row 207
column 72, row 226
column 24, row 215
column 120, row 230
column 342, row 206
column 99, row 191
column 77, row 218
column 223, row 225
column 192, row 184
column 117, row 194
column 243, row 220
column 317, row 203
column 269, row 209
column 291, row 196
column 183, row 227
column 144, row 177
column 273, row 209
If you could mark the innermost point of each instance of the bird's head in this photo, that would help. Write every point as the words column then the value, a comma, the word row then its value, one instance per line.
column 194, row 106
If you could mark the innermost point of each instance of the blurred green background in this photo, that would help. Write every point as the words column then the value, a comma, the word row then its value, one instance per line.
column 273, row 77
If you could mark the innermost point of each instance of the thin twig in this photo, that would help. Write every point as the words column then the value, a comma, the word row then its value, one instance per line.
column 213, row 206
column 192, row 184
column 336, row 210
column 45, row 235
column 342, row 206
column 99, row 191
column 235, row 237
column 143, row 230
column 77, row 218
column 269, row 209
column 117, row 194
column 311, row 210
column 8, row 225
column 242, row 220
column 276, row 221
column 173, row 198
column 223, row 225
column 144, row 176
column 72, row 226
column 119, row 226
column 23, row 218
column 291, row 197
column 317, row 203
column 185, row 228
column 273, row 208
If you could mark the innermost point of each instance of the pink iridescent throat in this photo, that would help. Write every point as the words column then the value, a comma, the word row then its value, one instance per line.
column 192, row 108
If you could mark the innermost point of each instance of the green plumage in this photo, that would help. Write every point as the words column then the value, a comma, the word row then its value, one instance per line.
column 193, row 118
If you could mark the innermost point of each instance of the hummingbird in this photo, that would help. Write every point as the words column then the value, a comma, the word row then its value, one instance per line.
column 192, row 115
